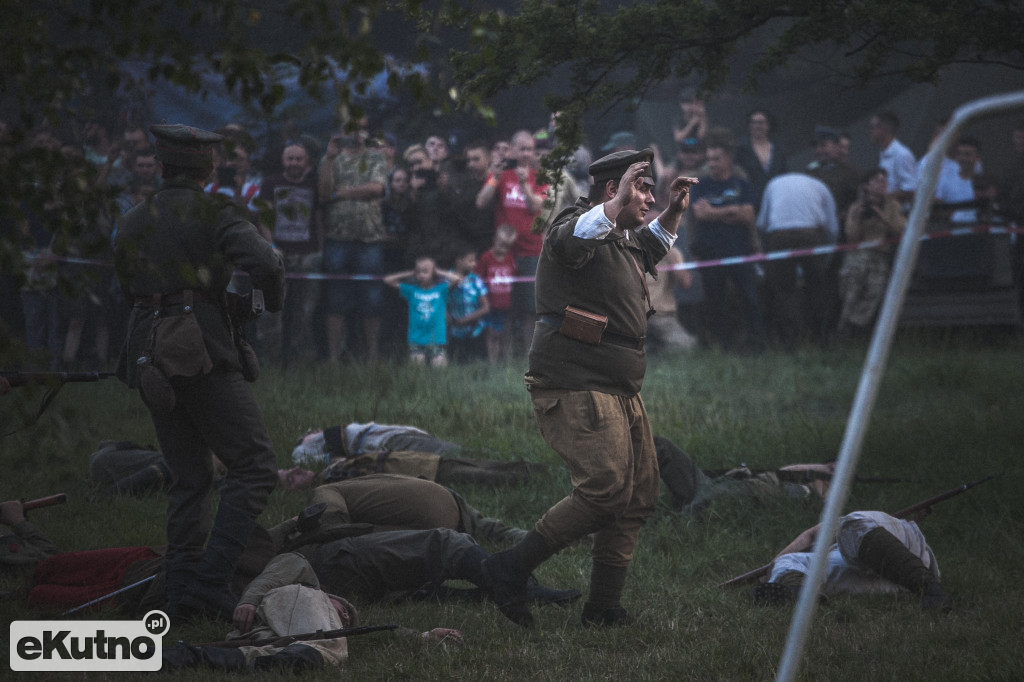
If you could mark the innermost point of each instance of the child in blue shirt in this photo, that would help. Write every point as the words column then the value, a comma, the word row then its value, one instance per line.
column 467, row 307
column 427, row 298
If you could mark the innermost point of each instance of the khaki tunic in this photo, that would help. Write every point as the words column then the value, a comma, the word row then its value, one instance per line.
column 601, row 276
column 394, row 501
column 289, row 601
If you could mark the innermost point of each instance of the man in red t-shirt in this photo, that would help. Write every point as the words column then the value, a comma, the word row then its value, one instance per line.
column 517, row 200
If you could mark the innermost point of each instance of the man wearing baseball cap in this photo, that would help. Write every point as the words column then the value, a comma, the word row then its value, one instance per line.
column 587, row 364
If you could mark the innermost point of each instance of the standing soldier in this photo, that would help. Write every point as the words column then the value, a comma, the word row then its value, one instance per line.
column 174, row 255
column 587, row 364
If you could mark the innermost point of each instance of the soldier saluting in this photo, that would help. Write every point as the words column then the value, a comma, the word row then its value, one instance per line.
column 587, row 364
column 174, row 256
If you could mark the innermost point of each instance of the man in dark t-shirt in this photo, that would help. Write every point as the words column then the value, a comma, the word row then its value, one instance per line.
column 723, row 210
column 289, row 219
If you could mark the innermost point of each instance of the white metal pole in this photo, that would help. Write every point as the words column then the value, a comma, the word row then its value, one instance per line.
column 874, row 365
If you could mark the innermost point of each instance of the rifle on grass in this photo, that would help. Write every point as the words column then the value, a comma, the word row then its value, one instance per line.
column 789, row 475
column 915, row 511
column 16, row 379
column 923, row 509
column 40, row 502
column 105, row 597
column 285, row 640
column 55, row 380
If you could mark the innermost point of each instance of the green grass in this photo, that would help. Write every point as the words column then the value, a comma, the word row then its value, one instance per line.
column 949, row 411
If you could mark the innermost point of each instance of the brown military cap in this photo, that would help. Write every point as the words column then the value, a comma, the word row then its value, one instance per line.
column 613, row 166
column 182, row 145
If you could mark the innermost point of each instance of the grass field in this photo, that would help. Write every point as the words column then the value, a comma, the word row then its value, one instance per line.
column 949, row 411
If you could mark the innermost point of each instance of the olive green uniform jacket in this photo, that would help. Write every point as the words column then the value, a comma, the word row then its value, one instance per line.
column 601, row 276
column 184, row 239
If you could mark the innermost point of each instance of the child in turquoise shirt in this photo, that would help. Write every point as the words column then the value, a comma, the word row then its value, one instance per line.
column 427, row 297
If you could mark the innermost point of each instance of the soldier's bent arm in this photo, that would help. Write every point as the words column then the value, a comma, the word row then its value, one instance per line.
column 247, row 250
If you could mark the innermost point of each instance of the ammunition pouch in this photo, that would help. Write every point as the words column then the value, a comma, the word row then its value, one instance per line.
column 157, row 391
column 309, row 518
column 242, row 309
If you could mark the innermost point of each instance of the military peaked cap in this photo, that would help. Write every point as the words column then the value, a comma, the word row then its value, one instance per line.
column 182, row 145
column 823, row 133
column 613, row 166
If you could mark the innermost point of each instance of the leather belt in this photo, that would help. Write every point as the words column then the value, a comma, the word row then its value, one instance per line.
column 183, row 297
column 621, row 340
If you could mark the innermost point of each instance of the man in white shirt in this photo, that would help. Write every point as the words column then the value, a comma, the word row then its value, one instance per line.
column 898, row 161
column 797, row 212
column 958, row 187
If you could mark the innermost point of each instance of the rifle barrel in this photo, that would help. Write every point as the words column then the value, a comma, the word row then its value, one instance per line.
column 24, row 378
column 941, row 497
column 116, row 592
column 284, row 640
column 747, row 577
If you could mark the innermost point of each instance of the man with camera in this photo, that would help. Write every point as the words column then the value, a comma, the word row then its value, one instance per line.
column 864, row 275
column 469, row 223
column 517, row 200
column 174, row 255
column 587, row 365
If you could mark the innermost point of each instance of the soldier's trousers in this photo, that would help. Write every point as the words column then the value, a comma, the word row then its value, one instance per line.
column 378, row 566
column 216, row 412
column 606, row 442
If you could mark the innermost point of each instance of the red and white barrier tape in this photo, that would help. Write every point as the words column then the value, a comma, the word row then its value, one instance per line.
column 696, row 265
column 836, row 248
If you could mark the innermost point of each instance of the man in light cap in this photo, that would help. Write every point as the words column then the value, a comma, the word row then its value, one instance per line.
column 587, row 364
column 174, row 255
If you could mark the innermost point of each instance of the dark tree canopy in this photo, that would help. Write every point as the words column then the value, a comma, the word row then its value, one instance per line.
column 63, row 63
column 610, row 52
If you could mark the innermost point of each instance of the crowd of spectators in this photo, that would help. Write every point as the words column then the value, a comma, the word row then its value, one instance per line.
column 348, row 208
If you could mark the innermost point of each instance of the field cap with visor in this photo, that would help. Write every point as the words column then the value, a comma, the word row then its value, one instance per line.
column 184, row 146
column 614, row 165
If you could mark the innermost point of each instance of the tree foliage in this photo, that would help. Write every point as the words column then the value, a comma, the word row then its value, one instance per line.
column 609, row 53
column 63, row 64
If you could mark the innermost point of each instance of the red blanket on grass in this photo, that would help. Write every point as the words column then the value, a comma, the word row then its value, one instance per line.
column 73, row 578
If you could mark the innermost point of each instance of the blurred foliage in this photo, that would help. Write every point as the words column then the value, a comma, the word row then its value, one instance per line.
column 612, row 53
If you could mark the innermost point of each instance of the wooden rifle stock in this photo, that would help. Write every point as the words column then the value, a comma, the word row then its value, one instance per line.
column 48, row 501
